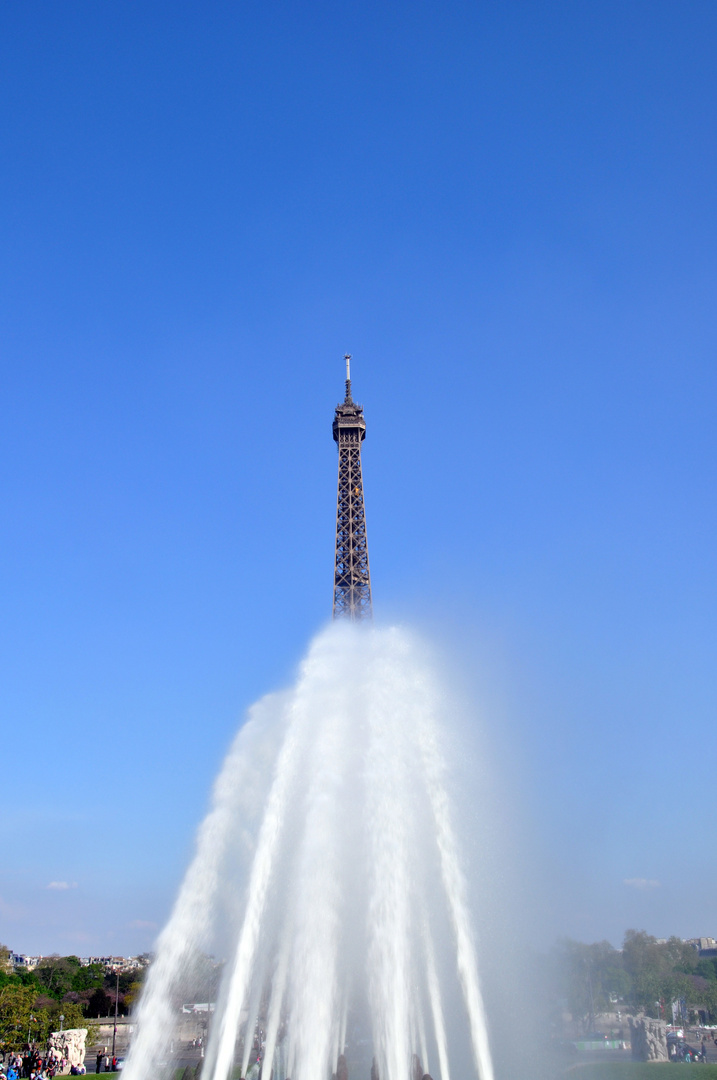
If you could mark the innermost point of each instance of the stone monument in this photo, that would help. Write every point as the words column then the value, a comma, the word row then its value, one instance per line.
column 648, row 1039
column 69, row 1045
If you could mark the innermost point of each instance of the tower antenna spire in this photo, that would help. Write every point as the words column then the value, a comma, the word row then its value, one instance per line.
column 352, row 579
column 347, row 358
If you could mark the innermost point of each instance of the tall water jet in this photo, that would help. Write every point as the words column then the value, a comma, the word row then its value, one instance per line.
column 328, row 869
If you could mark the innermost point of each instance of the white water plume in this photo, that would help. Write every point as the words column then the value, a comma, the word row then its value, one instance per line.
column 329, row 872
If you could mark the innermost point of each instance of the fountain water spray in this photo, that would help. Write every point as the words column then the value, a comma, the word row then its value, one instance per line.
column 329, row 868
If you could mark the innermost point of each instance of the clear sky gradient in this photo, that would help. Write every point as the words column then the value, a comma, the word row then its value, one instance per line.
column 507, row 212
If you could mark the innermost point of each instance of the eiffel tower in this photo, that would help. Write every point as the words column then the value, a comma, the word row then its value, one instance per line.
column 352, row 580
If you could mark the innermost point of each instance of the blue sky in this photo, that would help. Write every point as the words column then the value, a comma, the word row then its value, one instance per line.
column 506, row 212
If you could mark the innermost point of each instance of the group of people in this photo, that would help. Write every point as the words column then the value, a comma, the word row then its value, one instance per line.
column 680, row 1050
column 33, row 1066
column 105, row 1063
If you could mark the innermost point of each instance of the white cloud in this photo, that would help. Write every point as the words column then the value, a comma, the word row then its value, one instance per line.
column 60, row 886
column 641, row 883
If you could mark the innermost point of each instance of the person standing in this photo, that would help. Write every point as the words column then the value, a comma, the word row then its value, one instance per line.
column 98, row 1063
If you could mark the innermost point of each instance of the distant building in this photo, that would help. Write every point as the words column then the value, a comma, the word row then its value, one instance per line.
column 109, row 963
column 705, row 946
column 27, row 963
column 119, row 963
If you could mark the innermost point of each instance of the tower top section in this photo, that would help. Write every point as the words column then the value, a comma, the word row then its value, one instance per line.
column 352, row 580
column 349, row 424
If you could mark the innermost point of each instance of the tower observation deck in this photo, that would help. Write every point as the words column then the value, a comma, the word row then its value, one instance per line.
column 352, row 580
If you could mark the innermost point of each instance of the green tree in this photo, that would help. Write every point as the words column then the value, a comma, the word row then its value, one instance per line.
column 132, row 994
column 126, row 978
column 19, row 978
column 20, row 1015
column 5, row 959
column 706, row 968
column 90, row 977
column 15, row 1015
column 648, row 964
column 647, row 973
column 587, row 977
column 666, row 971
column 99, row 1004
column 56, row 974
column 49, row 1019
column 679, row 955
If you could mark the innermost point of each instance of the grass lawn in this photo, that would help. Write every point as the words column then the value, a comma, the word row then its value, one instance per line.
column 178, row 1074
column 639, row 1070
column 616, row 1070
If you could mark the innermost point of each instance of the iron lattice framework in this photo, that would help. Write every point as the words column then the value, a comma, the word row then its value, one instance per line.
column 352, row 580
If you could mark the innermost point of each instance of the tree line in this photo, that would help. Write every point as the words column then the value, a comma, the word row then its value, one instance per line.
column 646, row 975
column 31, row 1002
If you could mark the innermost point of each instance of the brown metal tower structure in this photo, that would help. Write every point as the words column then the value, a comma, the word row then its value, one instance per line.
column 352, row 580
